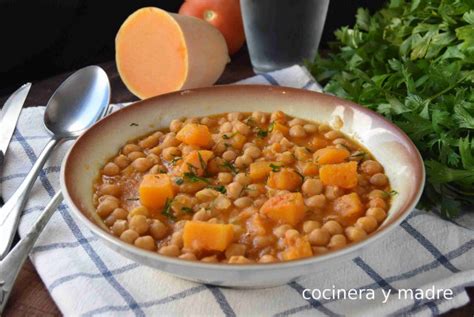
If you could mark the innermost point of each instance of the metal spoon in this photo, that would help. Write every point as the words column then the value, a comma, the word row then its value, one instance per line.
column 78, row 103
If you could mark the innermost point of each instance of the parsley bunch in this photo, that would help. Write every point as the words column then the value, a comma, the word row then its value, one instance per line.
column 413, row 62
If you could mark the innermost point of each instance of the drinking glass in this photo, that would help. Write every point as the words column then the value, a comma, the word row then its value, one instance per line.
column 281, row 33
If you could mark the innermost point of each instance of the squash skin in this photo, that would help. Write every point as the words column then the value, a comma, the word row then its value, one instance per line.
column 201, row 47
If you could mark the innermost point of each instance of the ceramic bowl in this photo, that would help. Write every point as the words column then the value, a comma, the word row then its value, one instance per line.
column 390, row 146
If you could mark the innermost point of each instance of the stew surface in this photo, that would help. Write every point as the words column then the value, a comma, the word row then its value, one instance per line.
column 242, row 188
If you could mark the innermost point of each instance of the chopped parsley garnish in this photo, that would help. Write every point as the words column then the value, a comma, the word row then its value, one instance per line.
column 229, row 136
column 175, row 160
column 230, row 166
column 133, row 199
column 193, row 178
column 219, row 188
column 133, row 124
column 167, row 212
column 201, row 161
column 187, row 210
column 275, row 168
column 271, row 126
column 262, row 133
column 179, row 181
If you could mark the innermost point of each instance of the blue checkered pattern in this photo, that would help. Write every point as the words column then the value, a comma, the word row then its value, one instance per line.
column 86, row 278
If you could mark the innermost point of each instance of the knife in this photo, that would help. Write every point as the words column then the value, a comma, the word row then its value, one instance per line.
column 8, row 119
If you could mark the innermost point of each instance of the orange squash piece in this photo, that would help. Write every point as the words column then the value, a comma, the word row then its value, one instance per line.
column 343, row 174
column 297, row 248
column 196, row 162
column 195, row 134
column 238, row 141
column 331, row 155
column 288, row 208
column 286, row 179
column 157, row 52
column 199, row 235
column 349, row 208
column 318, row 142
column 278, row 127
column 310, row 169
column 261, row 169
column 154, row 190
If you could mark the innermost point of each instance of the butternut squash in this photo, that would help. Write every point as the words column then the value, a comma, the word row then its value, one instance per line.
column 154, row 190
column 297, row 248
column 318, row 142
column 199, row 235
column 196, row 162
column 331, row 155
column 349, row 208
column 343, row 174
column 288, row 208
column 195, row 134
column 157, row 52
column 286, row 179
column 260, row 170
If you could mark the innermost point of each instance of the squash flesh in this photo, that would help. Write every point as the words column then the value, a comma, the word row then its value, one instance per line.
column 199, row 235
column 155, row 189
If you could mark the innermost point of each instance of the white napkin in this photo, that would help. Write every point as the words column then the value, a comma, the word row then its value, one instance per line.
column 86, row 278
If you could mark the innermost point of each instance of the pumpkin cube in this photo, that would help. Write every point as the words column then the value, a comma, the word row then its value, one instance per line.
column 154, row 190
column 195, row 134
column 199, row 235
column 288, row 208
column 343, row 175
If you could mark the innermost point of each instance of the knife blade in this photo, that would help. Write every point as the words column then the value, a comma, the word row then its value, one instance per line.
column 10, row 114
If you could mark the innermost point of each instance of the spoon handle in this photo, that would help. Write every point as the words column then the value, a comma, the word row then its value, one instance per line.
column 10, row 212
column 11, row 265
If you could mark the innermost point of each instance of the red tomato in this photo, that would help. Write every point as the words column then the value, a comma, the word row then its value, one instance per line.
column 223, row 14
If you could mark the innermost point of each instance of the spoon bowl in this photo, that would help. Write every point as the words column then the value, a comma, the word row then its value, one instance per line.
column 75, row 106
column 72, row 108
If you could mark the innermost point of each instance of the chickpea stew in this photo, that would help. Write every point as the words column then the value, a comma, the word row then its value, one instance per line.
column 242, row 188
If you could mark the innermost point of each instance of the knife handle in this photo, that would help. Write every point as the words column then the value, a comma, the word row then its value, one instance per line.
column 11, row 212
column 2, row 158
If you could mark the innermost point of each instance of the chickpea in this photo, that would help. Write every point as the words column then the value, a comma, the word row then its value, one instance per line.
column 239, row 259
column 153, row 158
column 295, row 122
column 267, row 258
column 377, row 193
column 108, row 197
column 206, row 194
column 316, row 201
column 259, row 202
column 140, row 210
column 119, row 227
column 280, row 231
column 297, row 131
column 242, row 161
column 201, row 215
column 110, row 189
column 234, row 189
column 224, row 178
column 129, row 148
column 253, row 151
column 333, row 227
column 242, row 179
column 259, row 117
column 262, row 241
column 367, row 223
column 333, row 192
column 243, row 202
column 310, row 225
column 134, row 155
column 312, row 187
column 235, row 249
column 142, row 164
column 151, row 140
column 355, row 234
column 278, row 116
column 138, row 224
column 242, row 128
column 158, row 230
column 188, row 256
column 146, row 243
column 111, row 169
column 177, row 238
column 226, row 128
column 120, row 213
column 310, row 128
column 332, row 135
column 210, row 259
column 286, row 158
column 170, row 140
column 185, row 150
column 229, row 155
column 210, row 122
column 129, row 236
column 379, row 180
column 106, row 207
column 323, row 128
column 169, row 250
column 319, row 237
column 378, row 202
column 291, row 234
column 337, row 241
column 110, row 220
column 121, row 161
column 377, row 213
column 175, row 125
column 222, row 203
column 255, row 190
column 371, row 167
column 170, row 153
